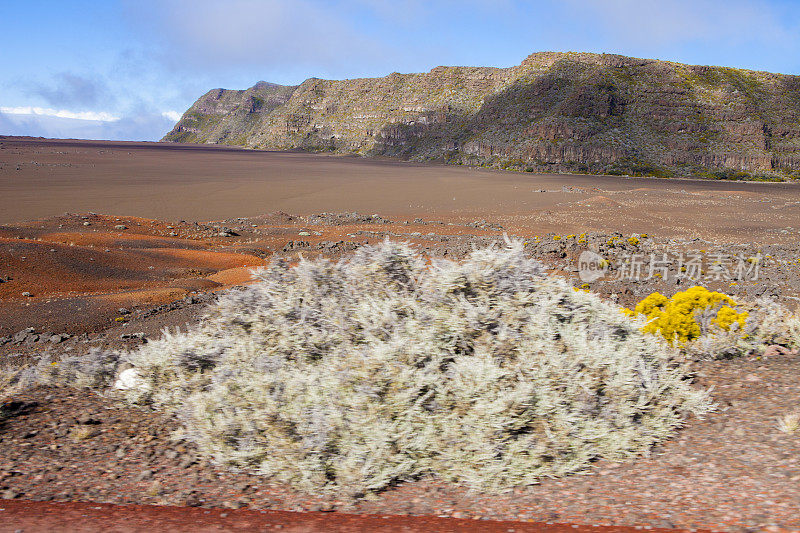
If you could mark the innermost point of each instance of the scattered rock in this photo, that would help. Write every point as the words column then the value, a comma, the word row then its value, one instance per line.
column 777, row 349
column 20, row 336
column 137, row 335
column 120, row 226
column 88, row 420
column 144, row 475
column 227, row 232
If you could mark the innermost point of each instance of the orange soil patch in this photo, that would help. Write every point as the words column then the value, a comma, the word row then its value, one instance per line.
column 233, row 276
column 47, row 268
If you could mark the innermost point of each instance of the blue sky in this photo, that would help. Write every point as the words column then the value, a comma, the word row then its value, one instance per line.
column 126, row 69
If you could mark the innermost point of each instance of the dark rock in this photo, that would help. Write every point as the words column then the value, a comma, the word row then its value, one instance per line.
column 138, row 335
column 88, row 420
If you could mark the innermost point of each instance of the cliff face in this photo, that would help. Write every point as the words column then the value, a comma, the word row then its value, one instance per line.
column 554, row 112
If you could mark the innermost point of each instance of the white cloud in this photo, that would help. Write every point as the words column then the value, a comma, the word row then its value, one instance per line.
column 174, row 116
column 654, row 23
column 60, row 113
column 256, row 33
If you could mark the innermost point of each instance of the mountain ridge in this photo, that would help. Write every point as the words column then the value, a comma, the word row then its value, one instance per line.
column 554, row 112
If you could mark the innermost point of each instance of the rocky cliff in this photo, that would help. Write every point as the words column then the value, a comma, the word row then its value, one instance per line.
column 575, row 112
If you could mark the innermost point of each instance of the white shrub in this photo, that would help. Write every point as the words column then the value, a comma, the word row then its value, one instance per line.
column 768, row 323
column 353, row 375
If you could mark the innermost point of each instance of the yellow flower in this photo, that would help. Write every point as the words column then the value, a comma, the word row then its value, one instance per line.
column 674, row 318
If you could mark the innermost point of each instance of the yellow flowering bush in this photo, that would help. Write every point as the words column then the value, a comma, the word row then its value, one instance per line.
column 676, row 318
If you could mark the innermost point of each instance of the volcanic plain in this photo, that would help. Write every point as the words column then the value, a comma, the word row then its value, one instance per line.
column 104, row 244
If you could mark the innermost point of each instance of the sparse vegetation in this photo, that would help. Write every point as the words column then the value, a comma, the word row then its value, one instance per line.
column 630, row 166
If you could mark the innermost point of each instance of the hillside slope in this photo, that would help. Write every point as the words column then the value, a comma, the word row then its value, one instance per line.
column 554, row 112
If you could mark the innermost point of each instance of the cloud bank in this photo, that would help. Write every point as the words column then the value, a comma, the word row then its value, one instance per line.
column 60, row 113
column 650, row 25
column 138, row 126
column 273, row 33
column 75, row 91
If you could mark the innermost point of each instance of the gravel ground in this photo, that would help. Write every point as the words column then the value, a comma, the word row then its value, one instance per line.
column 733, row 471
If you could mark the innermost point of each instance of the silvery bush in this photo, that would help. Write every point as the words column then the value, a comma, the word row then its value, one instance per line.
column 768, row 323
column 350, row 376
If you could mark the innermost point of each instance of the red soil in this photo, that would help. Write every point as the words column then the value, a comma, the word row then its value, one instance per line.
column 18, row 515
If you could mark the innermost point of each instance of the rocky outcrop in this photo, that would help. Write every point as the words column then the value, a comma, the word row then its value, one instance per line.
column 554, row 112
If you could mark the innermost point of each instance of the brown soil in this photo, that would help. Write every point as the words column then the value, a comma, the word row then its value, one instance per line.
column 113, row 281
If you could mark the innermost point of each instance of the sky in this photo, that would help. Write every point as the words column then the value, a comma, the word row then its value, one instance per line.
column 127, row 69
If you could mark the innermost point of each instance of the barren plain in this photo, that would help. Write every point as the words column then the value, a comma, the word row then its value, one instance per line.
column 103, row 244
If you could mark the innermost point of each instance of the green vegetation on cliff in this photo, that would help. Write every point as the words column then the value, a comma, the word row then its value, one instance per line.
column 557, row 112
